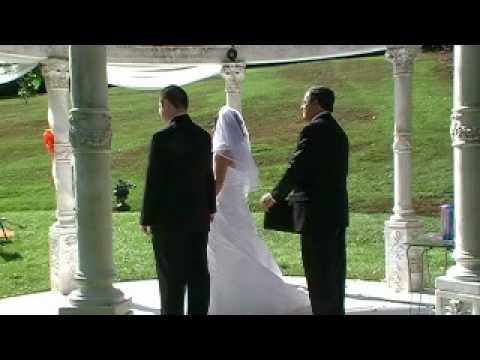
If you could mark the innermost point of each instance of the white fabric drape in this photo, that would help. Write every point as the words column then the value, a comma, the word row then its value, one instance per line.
column 232, row 141
column 19, row 58
column 134, row 76
column 158, row 76
column 11, row 72
column 153, row 76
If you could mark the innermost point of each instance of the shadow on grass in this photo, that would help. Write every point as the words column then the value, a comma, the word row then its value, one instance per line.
column 8, row 256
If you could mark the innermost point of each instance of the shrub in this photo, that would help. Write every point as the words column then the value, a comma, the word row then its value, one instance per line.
column 31, row 84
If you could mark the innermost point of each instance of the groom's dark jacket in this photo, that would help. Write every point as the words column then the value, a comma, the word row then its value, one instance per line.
column 319, row 168
column 179, row 187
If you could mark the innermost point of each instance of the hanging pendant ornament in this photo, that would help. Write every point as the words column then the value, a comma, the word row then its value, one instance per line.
column 232, row 53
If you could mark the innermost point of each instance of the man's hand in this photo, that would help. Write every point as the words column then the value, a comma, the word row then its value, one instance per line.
column 146, row 229
column 267, row 201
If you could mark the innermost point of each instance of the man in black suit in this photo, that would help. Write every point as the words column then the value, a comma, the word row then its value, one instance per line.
column 319, row 169
column 178, row 206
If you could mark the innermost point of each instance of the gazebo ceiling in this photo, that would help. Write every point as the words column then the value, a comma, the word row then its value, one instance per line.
column 198, row 54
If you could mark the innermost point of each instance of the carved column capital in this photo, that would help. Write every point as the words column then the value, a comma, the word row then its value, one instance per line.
column 402, row 57
column 465, row 126
column 56, row 74
column 90, row 130
column 233, row 73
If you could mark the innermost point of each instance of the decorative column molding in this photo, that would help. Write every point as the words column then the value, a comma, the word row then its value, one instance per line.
column 63, row 233
column 90, row 130
column 56, row 74
column 465, row 134
column 403, row 226
column 458, row 292
column 402, row 57
column 234, row 74
column 465, row 127
column 90, row 135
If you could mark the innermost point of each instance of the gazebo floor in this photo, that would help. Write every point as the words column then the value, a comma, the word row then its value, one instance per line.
column 362, row 298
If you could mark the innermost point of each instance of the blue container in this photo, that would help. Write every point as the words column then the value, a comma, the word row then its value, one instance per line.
column 447, row 221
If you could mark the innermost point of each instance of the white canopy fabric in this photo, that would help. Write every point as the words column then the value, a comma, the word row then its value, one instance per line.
column 134, row 76
column 148, row 75
column 158, row 76
column 11, row 72
column 20, row 58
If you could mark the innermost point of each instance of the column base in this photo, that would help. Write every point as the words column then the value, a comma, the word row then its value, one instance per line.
column 122, row 308
column 457, row 297
column 63, row 248
column 117, row 309
column 463, row 273
column 97, row 300
column 402, row 273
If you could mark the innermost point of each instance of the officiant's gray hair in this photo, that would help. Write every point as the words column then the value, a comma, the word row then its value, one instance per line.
column 175, row 95
column 323, row 95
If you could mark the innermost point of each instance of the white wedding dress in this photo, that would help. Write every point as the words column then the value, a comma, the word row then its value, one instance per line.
column 244, row 277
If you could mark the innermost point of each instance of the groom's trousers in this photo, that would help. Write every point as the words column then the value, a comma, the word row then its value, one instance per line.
column 324, row 261
column 181, row 264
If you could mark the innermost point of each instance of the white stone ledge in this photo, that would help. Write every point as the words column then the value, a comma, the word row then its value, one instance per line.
column 251, row 54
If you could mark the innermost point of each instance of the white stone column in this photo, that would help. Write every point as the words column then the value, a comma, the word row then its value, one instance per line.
column 462, row 281
column 233, row 73
column 90, row 135
column 63, row 233
column 403, row 226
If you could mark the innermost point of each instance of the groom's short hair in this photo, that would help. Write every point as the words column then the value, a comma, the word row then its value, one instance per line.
column 176, row 96
column 323, row 95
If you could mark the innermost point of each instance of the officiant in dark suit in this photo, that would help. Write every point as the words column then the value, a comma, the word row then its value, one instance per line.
column 317, row 174
column 178, row 206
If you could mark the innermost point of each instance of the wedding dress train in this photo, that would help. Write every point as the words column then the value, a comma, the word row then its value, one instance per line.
column 245, row 279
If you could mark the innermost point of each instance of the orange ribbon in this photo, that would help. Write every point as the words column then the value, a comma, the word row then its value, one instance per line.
column 49, row 140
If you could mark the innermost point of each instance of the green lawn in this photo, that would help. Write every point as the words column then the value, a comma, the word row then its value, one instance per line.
column 271, row 99
column 24, row 260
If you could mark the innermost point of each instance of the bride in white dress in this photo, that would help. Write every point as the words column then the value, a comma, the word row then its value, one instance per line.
column 244, row 277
